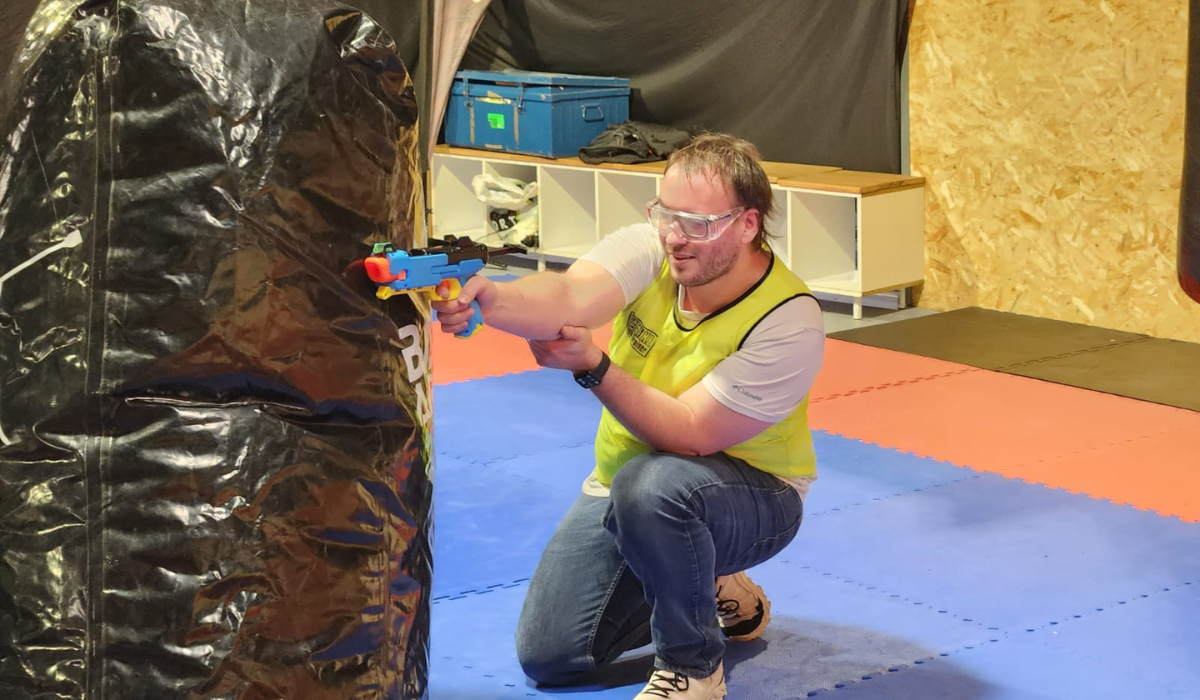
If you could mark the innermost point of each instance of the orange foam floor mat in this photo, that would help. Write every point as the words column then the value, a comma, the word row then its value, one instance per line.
column 850, row 368
column 488, row 353
column 1119, row 449
column 1106, row 446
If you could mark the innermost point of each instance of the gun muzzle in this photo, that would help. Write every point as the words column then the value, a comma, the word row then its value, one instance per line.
column 379, row 269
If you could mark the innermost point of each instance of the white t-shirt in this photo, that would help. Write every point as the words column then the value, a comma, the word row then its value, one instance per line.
column 774, row 369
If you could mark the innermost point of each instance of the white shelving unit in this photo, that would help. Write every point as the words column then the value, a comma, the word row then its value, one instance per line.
column 856, row 234
column 577, row 203
column 844, row 233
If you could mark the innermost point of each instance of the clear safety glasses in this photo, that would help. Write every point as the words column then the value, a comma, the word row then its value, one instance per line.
column 696, row 227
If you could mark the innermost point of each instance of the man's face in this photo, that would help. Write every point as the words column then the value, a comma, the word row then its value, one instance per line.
column 695, row 263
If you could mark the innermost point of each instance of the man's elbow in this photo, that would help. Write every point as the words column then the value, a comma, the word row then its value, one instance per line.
column 693, row 440
column 696, row 446
column 678, row 445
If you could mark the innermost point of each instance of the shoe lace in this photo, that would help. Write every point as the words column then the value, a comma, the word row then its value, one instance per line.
column 663, row 683
column 728, row 608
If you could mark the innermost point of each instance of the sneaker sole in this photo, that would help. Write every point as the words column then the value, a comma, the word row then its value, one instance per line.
column 762, row 626
column 762, row 623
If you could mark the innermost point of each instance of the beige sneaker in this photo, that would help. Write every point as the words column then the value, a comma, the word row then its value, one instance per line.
column 676, row 686
column 743, row 610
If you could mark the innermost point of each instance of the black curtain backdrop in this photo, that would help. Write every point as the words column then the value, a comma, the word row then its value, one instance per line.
column 1189, row 203
column 807, row 81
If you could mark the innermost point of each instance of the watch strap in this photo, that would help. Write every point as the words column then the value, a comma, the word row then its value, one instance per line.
column 590, row 379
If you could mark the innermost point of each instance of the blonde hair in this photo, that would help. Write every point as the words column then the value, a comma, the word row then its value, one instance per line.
column 734, row 163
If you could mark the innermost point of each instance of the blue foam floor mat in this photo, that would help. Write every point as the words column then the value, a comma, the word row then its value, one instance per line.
column 494, row 517
column 561, row 469
column 472, row 652
column 866, row 646
column 511, row 415
column 852, row 473
column 910, row 578
column 1012, row 554
column 1146, row 649
column 489, row 528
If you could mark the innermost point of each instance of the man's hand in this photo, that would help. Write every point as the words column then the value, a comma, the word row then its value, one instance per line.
column 454, row 314
column 572, row 350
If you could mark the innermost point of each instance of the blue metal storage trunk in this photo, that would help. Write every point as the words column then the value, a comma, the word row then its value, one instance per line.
column 543, row 114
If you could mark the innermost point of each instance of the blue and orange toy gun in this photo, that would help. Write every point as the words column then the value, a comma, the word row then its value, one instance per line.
column 445, row 266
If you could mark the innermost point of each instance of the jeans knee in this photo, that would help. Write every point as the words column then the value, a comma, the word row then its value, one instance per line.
column 546, row 661
column 644, row 485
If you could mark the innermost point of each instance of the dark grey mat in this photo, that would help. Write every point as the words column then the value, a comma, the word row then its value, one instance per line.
column 1115, row 362
column 987, row 339
column 1154, row 369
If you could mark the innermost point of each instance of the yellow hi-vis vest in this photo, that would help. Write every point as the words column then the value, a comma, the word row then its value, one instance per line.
column 649, row 342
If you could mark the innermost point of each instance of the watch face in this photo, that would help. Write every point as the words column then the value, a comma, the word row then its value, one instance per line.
column 592, row 378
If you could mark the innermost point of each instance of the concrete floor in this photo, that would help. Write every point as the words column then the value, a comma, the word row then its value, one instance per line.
column 839, row 315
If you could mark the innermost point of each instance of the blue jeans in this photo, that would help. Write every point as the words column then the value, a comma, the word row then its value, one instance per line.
column 640, row 566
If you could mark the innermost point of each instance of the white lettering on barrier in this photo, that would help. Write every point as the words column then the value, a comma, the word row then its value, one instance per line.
column 415, row 351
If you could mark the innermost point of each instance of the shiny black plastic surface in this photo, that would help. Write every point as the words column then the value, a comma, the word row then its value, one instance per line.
column 1189, row 198
column 215, row 458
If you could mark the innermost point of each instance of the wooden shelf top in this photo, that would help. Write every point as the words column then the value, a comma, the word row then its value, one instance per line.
column 775, row 171
column 781, row 172
column 826, row 178
column 854, row 182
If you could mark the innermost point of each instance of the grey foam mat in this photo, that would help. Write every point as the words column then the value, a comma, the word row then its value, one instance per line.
column 1100, row 359
column 1154, row 369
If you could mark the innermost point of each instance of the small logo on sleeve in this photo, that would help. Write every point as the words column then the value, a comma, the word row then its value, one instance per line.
column 746, row 392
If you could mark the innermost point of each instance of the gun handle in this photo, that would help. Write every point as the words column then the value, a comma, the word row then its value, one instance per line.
column 474, row 324
column 454, row 287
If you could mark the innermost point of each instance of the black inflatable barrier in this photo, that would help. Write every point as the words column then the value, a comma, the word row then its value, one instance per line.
column 214, row 440
column 1189, row 203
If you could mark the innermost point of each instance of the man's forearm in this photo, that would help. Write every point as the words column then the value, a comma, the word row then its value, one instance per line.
column 655, row 417
column 538, row 306
column 531, row 307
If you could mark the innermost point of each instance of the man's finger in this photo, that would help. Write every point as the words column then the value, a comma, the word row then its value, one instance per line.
column 447, row 307
column 573, row 333
column 471, row 289
column 456, row 316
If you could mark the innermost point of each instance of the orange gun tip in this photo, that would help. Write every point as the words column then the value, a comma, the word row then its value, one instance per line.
column 380, row 270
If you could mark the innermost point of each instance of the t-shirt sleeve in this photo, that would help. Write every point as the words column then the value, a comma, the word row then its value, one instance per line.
column 633, row 255
column 768, row 377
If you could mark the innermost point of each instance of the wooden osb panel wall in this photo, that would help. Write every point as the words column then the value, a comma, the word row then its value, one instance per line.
column 1050, row 135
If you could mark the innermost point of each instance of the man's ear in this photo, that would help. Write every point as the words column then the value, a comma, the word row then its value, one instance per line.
column 750, row 221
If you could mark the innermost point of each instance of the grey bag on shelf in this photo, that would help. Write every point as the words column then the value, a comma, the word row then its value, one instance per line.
column 634, row 142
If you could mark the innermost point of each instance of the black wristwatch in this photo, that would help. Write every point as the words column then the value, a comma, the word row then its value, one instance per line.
column 591, row 378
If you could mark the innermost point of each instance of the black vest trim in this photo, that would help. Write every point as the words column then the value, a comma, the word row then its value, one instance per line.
column 760, row 320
